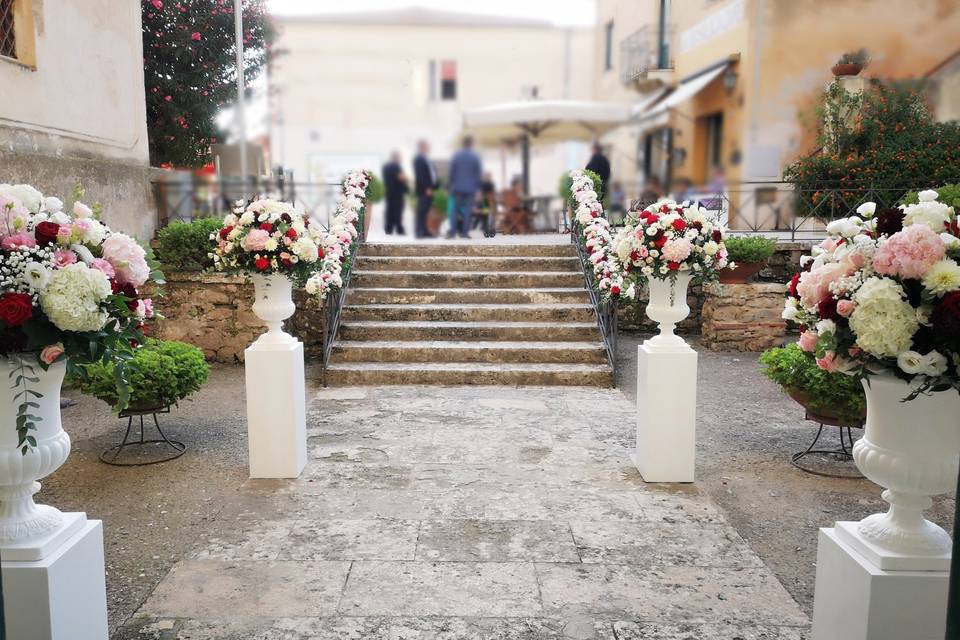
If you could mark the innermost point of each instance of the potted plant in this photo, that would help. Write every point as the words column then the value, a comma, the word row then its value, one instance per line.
column 438, row 210
column 160, row 374
column 375, row 192
column 69, row 296
column 748, row 255
column 185, row 246
column 851, row 63
column 881, row 303
column 834, row 397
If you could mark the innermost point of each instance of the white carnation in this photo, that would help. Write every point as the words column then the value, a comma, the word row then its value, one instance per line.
column 73, row 298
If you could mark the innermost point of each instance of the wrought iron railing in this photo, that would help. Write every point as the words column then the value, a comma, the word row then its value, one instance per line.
column 333, row 305
column 605, row 310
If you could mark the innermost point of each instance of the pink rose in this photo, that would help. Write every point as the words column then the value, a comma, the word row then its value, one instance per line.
column 808, row 341
column 103, row 267
column 128, row 258
column 50, row 353
column 256, row 240
column 845, row 307
column 17, row 240
column 63, row 257
column 145, row 308
column 909, row 253
column 814, row 285
column 828, row 362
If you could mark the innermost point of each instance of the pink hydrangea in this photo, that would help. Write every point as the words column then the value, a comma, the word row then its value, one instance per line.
column 909, row 253
column 814, row 285
column 256, row 240
column 103, row 267
column 677, row 250
column 63, row 257
column 17, row 240
column 128, row 259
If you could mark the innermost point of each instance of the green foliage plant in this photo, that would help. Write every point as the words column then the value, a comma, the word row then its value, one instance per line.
column 860, row 57
column 186, row 245
column 566, row 183
column 375, row 189
column 160, row 374
column 824, row 393
column 750, row 249
column 441, row 200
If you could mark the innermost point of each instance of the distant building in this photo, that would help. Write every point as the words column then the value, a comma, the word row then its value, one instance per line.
column 347, row 89
column 724, row 83
column 73, row 106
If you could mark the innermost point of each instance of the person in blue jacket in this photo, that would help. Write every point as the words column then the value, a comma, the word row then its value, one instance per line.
column 466, row 176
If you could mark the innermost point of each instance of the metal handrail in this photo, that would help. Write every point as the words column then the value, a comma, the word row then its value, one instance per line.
column 333, row 305
column 605, row 310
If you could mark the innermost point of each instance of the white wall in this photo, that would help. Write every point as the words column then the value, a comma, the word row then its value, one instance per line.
column 86, row 96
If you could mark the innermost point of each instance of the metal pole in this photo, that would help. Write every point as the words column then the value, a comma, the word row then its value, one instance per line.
column 241, row 90
column 525, row 156
column 953, row 600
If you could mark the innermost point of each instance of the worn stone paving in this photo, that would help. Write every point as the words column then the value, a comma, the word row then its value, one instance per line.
column 470, row 512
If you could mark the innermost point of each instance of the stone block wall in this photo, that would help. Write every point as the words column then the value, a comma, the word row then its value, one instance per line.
column 743, row 317
column 213, row 312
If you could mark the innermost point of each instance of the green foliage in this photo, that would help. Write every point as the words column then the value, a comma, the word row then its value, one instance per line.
column 441, row 200
column 827, row 393
column 878, row 151
column 159, row 374
column 860, row 57
column 746, row 249
column 375, row 189
column 948, row 194
column 189, row 69
column 186, row 245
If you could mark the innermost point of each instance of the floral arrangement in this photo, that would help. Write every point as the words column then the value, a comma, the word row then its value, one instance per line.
column 69, row 289
column 669, row 238
column 339, row 239
column 882, row 293
column 596, row 238
column 268, row 237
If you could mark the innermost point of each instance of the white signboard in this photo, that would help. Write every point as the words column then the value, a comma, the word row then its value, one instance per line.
column 712, row 26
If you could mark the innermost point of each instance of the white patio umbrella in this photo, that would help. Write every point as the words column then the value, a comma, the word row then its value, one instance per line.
column 542, row 122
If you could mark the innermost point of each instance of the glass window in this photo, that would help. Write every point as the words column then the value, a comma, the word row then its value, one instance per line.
column 448, row 80
column 714, row 156
column 608, row 47
column 8, row 39
column 432, row 80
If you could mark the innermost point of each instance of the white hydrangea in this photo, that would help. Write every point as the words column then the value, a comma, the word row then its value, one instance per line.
column 74, row 296
column 883, row 322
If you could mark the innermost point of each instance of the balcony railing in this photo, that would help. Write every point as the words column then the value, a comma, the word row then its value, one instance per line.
column 640, row 53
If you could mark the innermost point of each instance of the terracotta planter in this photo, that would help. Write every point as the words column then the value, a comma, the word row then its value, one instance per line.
column 434, row 221
column 824, row 416
column 846, row 69
column 742, row 274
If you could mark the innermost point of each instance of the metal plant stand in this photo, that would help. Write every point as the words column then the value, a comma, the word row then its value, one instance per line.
column 176, row 449
column 845, row 452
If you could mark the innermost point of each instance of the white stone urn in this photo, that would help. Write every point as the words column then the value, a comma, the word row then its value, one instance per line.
column 273, row 303
column 667, row 306
column 912, row 449
column 22, row 520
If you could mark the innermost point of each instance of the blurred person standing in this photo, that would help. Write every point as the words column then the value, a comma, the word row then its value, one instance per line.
column 652, row 191
column 425, row 181
column 600, row 166
column 466, row 175
column 395, row 188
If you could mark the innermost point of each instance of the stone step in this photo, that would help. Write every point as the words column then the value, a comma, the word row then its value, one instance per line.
column 467, row 279
column 456, row 373
column 471, row 312
column 466, row 263
column 474, row 248
column 474, row 351
column 467, row 296
column 498, row 331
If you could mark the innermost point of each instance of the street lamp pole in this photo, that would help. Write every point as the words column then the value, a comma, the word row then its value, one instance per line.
column 241, row 116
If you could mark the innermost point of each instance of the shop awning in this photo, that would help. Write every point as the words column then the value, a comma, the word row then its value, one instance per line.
column 684, row 91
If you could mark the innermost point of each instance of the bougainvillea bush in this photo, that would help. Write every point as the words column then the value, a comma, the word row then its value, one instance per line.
column 882, row 294
column 189, row 69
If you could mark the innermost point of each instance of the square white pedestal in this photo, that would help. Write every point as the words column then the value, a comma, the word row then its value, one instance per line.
column 856, row 600
column 276, row 410
column 666, row 413
column 61, row 597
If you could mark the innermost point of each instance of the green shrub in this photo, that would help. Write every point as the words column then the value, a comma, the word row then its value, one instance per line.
column 948, row 194
column 186, row 245
column 375, row 189
column 827, row 393
column 160, row 373
column 566, row 182
column 441, row 200
column 746, row 249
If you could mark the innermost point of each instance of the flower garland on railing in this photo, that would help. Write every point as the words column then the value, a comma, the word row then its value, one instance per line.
column 596, row 238
column 341, row 236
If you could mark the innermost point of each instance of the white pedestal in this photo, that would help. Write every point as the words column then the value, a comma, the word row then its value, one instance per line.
column 276, row 410
column 62, row 596
column 856, row 600
column 666, row 412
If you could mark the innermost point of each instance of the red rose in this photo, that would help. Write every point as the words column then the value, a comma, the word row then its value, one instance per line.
column 652, row 218
column 15, row 308
column 46, row 233
column 261, row 264
column 679, row 224
column 827, row 309
column 634, row 255
column 673, row 266
column 697, row 225
column 660, row 240
column 266, row 226
column 665, row 209
column 225, row 232
column 946, row 315
column 286, row 262
column 614, row 290
column 792, row 288
column 320, row 252
column 716, row 235
column 291, row 233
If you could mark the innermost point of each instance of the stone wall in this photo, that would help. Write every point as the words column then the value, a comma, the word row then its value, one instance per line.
column 743, row 317
column 212, row 311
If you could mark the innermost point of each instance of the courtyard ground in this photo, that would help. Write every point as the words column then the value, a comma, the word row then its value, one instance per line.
column 200, row 508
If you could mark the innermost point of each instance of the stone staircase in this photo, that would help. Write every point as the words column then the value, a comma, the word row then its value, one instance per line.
column 459, row 313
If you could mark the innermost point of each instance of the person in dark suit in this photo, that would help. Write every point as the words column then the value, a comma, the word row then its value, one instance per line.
column 466, row 175
column 424, row 182
column 395, row 189
column 600, row 166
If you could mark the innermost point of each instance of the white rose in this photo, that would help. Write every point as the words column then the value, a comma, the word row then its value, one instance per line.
column 790, row 310
column 867, row 209
column 826, row 326
column 951, row 241
column 927, row 195
column 52, row 204
column 59, row 217
column 846, row 227
column 81, row 210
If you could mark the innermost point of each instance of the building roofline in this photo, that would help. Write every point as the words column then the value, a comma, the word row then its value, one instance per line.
column 419, row 16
